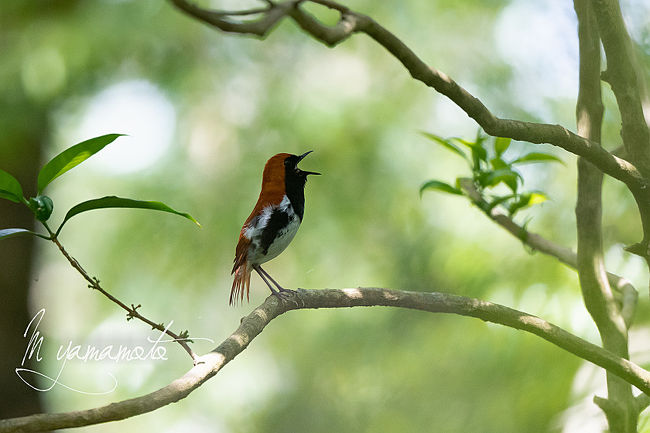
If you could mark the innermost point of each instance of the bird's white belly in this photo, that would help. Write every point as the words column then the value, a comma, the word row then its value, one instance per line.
column 257, row 254
column 281, row 242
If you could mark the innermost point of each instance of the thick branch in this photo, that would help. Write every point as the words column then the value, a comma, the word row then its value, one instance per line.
column 620, row 406
column 589, row 112
column 251, row 326
column 352, row 22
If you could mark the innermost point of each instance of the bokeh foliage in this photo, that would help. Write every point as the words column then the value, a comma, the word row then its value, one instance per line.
column 237, row 102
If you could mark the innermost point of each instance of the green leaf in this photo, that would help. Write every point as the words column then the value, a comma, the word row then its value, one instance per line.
column 445, row 143
column 10, row 233
column 119, row 202
column 480, row 137
column 72, row 157
column 501, row 144
column 473, row 146
column 500, row 200
column 507, row 176
column 10, row 188
column 498, row 163
column 523, row 201
column 526, row 200
column 440, row 186
column 536, row 157
column 42, row 207
column 479, row 153
column 536, row 198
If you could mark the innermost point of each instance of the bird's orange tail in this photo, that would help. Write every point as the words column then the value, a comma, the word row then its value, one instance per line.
column 241, row 282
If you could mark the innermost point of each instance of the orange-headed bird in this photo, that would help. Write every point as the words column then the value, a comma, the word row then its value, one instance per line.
column 273, row 223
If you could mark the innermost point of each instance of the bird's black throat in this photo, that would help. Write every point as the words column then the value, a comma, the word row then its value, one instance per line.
column 294, row 184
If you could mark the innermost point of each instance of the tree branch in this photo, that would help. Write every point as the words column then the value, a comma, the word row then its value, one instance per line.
column 352, row 22
column 628, row 295
column 626, row 80
column 220, row 19
column 620, row 406
column 131, row 312
column 253, row 324
column 623, row 75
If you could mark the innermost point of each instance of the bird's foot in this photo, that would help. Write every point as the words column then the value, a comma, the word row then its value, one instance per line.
column 286, row 295
column 287, row 291
column 283, row 293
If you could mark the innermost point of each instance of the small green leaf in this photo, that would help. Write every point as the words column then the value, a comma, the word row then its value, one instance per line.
column 480, row 137
column 498, row 163
column 445, row 143
column 507, row 176
column 501, row 144
column 522, row 202
column 440, row 186
column 479, row 153
column 72, row 157
column 119, row 202
column 526, row 200
column 500, row 200
column 536, row 157
column 10, row 233
column 10, row 188
column 475, row 147
column 41, row 206
column 536, row 198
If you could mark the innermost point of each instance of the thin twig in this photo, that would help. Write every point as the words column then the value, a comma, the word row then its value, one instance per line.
column 253, row 324
column 220, row 19
column 132, row 312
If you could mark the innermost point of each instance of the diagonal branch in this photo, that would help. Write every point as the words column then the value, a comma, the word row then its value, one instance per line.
column 353, row 22
column 253, row 324
column 131, row 312
column 628, row 294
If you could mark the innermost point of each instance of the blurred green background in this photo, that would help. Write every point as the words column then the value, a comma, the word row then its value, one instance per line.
column 203, row 112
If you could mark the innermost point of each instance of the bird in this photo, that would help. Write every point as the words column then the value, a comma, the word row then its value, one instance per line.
column 272, row 224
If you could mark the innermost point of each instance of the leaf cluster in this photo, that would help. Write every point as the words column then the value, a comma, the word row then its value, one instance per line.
column 490, row 168
column 42, row 206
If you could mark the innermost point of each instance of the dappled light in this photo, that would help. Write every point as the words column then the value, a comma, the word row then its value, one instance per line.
column 353, row 293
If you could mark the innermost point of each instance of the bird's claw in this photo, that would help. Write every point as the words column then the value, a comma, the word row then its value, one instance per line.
column 287, row 295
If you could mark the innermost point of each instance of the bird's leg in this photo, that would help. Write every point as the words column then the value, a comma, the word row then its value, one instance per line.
column 280, row 288
column 261, row 273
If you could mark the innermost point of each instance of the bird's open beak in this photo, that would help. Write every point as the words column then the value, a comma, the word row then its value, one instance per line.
column 301, row 157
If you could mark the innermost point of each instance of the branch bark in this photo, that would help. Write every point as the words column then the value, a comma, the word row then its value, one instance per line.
column 628, row 295
column 352, row 22
column 253, row 324
column 626, row 80
column 623, row 75
column 620, row 407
